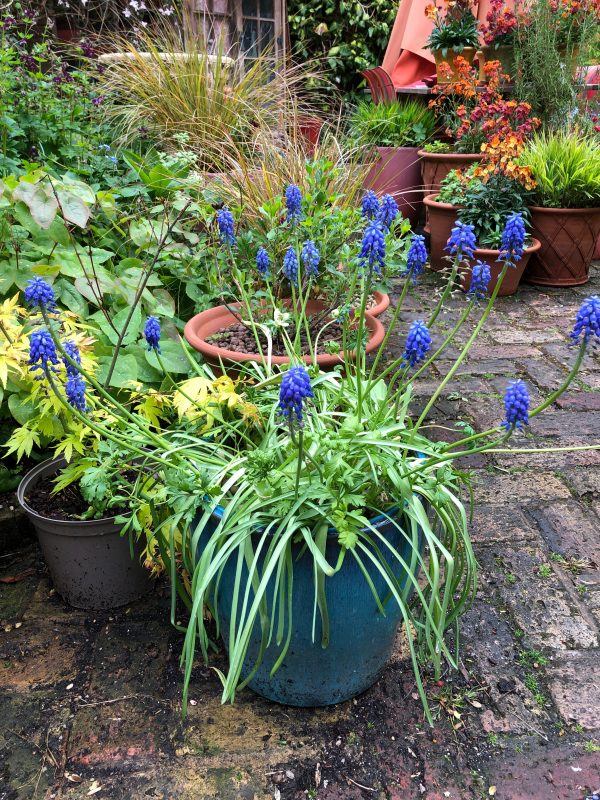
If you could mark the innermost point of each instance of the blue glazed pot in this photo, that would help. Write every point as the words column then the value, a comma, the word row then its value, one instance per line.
column 361, row 638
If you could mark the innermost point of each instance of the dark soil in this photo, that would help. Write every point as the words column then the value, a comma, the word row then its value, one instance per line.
column 68, row 504
column 241, row 339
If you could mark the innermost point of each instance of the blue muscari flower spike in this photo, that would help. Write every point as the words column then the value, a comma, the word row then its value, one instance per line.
column 370, row 205
column 262, row 262
column 75, row 391
column 416, row 258
column 480, row 279
column 372, row 251
column 418, row 343
column 42, row 352
column 310, row 258
column 513, row 239
column 39, row 293
column 71, row 350
column 587, row 323
column 388, row 212
column 295, row 389
column 226, row 224
column 293, row 202
column 290, row 265
column 516, row 405
column 152, row 333
column 462, row 242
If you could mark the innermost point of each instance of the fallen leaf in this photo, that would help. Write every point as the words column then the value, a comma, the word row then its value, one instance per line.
column 94, row 788
column 16, row 578
column 492, row 790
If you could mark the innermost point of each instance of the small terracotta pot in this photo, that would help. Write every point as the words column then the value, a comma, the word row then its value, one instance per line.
column 219, row 318
column 435, row 167
column 468, row 53
column 382, row 302
column 568, row 237
column 310, row 130
column 505, row 54
column 513, row 275
column 441, row 219
column 397, row 171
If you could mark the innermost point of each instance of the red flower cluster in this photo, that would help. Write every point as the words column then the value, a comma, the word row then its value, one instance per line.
column 501, row 22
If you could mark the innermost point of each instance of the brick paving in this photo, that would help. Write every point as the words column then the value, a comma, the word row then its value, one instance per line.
column 90, row 705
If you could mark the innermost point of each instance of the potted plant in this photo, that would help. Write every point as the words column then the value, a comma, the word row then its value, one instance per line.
column 393, row 133
column 280, row 288
column 499, row 34
column 565, row 208
column 76, row 511
column 454, row 34
column 442, row 214
column 314, row 526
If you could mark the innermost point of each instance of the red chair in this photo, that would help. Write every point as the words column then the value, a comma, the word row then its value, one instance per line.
column 380, row 84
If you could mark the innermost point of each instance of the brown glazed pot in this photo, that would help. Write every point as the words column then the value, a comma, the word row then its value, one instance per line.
column 397, row 171
column 568, row 237
column 435, row 167
column 219, row 318
column 441, row 219
column 468, row 53
column 90, row 563
column 513, row 275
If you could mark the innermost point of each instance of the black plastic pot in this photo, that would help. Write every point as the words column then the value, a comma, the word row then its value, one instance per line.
column 89, row 561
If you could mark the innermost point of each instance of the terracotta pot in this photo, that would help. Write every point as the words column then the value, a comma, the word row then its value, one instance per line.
column 397, row 171
column 435, row 167
column 505, row 54
column 441, row 219
column 568, row 237
column 219, row 318
column 310, row 130
column 513, row 275
column 468, row 53
column 382, row 302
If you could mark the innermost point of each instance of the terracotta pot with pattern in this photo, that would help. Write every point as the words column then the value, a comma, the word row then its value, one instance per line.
column 441, row 219
column 435, row 167
column 568, row 238
column 513, row 276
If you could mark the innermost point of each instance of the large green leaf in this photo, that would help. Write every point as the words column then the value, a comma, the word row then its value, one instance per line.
column 125, row 371
column 40, row 201
column 172, row 357
column 73, row 208
column 70, row 297
column 21, row 408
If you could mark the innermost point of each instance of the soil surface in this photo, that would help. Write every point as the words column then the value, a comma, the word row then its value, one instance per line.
column 68, row 504
column 241, row 339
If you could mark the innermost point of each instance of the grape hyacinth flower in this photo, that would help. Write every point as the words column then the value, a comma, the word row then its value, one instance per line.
column 72, row 351
column 370, row 205
column 388, row 212
column 416, row 258
column 516, row 405
column 295, row 389
column 588, row 320
column 152, row 333
column 75, row 392
column 293, row 202
column 262, row 262
column 480, row 280
column 39, row 293
column 310, row 258
column 226, row 224
column 462, row 242
column 513, row 239
column 418, row 343
column 372, row 251
column 42, row 352
column 290, row 266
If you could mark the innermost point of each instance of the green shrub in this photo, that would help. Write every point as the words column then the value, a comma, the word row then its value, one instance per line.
column 405, row 124
column 566, row 167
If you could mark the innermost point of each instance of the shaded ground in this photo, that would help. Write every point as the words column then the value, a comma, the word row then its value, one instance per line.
column 90, row 705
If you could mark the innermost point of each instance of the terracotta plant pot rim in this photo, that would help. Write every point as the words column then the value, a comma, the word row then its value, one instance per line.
column 382, row 304
column 431, row 200
column 214, row 353
column 452, row 156
column 533, row 248
column 546, row 210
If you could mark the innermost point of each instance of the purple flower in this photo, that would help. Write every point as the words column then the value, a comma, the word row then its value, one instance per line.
column 370, row 205
column 418, row 343
column 372, row 251
column 152, row 333
column 480, row 279
column 262, row 262
column 416, row 258
column 42, row 352
column 587, row 323
column 516, row 405
column 226, row 224
column 462, row 242
column 75, row 391
column 98, row 100
column 295, row 389
column 39, row 293
column 388, row 212
column 310, row 258
column 290, row 266
column 513, row 239
column 72, row 351
column 293, row 202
